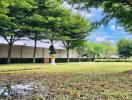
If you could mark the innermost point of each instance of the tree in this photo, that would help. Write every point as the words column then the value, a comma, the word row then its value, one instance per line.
column 93, row 50
column 89, row 49
column 125, row 48
column 86, row 49
column 41, row 24
column 119, row 9
column 74, row 28
column 11, row 20
column 56, row 16
column 34, row 27
column 99, row 50
column 109, row 49
column 81, row 50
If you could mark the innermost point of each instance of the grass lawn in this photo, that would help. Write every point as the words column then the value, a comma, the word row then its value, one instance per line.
column 74, row 81
column 71, row 67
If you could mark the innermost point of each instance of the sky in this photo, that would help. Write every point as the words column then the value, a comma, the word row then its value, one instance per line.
column 111, row 32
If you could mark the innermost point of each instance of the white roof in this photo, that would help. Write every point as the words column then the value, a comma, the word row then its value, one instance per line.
column 30, row 43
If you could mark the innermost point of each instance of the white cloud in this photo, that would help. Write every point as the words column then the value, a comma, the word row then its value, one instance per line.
column 114, row 27
column 85, row 14
column 100, row 39
column 112, row 41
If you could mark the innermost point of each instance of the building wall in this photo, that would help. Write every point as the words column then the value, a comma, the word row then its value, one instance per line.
column 27, row 52
column 3, row 51
column 72, row 54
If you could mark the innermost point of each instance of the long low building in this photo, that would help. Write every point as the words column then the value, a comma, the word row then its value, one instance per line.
column 24, row 49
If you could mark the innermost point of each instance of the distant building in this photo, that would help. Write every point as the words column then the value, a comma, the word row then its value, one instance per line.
column 24, row 49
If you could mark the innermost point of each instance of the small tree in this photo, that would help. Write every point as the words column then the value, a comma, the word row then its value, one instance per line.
column 109, row 49
column 81, row 51
column 99, row 50
column 85, row 49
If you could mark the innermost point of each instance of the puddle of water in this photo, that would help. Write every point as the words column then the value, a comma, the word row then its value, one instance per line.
column 22, row 90
column 2, row 89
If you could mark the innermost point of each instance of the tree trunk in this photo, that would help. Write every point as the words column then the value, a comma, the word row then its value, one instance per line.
column 68, row 60
column 9, row 53
column 10, row 43
column 34, row 53
column 79, row 59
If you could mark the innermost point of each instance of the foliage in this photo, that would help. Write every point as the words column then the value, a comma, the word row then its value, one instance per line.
column 109, row 49
column 11, row 21
column 119, row 9
column 74, row 28
column 40, row 19
column 94, row 50
column 113, row 60
column 99, row 49
column 85, row 49
column 125, row 48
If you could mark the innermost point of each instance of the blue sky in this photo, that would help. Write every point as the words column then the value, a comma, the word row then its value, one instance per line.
column 111, row 33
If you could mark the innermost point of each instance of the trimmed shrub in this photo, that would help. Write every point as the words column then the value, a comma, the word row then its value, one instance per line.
column 41, row 60
column 113, row 60
column 62, row 60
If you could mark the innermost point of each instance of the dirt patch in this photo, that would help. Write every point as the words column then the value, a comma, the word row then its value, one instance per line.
column 74, row 86
column 128, row 72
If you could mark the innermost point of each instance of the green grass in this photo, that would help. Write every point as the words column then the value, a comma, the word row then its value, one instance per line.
column 68, row 67
column 73, row 81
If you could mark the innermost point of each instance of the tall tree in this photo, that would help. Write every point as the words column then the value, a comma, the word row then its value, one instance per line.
column 11, row 20
column 54, row 23
column 34, row 27
column 44, row 22
column 75, row 29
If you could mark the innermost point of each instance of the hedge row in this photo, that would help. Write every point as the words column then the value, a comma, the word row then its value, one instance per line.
column 41, row 60
column 113, row 60
column 74, row 60
column 19, row 60
column 62, row 60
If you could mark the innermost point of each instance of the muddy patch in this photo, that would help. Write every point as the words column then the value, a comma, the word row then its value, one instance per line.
column 128, row 72
column 22, row 91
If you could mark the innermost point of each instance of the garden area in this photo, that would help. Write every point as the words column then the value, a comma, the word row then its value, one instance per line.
column 65, row 50
column 69, row 81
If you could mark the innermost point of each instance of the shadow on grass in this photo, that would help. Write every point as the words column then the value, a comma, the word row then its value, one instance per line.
column 22, row 69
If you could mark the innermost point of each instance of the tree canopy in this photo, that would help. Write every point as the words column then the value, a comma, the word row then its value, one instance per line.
column 119, row 9
column 41, row 19
column 74, row 28
column 125, row 48
column 12, row 14
column 93, row 50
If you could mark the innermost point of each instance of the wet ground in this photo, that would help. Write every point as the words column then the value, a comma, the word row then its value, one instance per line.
column 67, row 86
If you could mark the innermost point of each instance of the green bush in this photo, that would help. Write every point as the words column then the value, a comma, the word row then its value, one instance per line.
column 113, row 60
column 62, row 60
column 41, row 60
